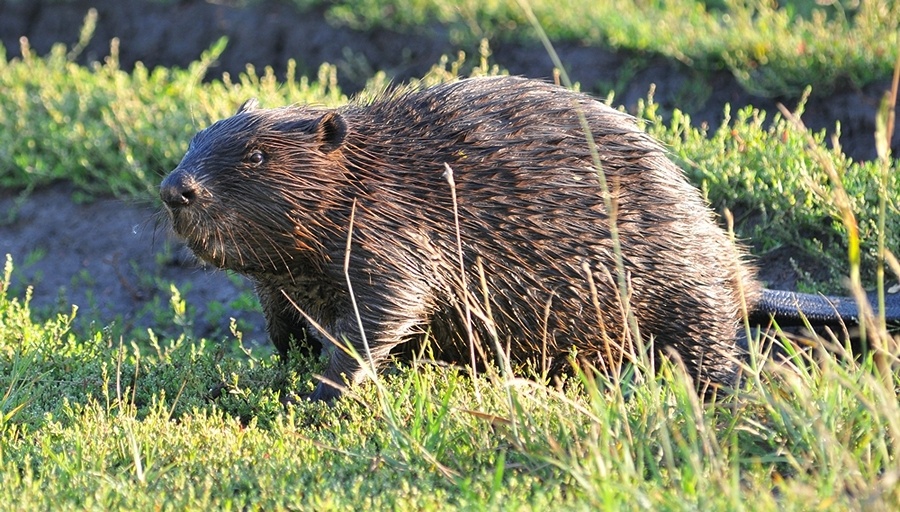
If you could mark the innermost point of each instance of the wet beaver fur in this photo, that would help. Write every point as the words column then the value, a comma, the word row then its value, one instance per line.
column 273, row 194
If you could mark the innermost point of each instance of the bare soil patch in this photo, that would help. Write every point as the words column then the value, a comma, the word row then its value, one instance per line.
column 116, row 262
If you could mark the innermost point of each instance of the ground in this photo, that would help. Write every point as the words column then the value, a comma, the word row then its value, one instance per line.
column 116, row 261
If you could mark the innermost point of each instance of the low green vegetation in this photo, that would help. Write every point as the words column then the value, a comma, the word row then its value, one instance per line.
column 106, row 421
column 101, row 423
column 761, row 167
column 112, row 131
column 772, row 47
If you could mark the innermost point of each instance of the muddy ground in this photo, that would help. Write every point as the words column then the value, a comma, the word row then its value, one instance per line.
column 114, row 259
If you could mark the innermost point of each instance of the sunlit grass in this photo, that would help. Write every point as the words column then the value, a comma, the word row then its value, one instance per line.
column 100, row 422
column 93, row 423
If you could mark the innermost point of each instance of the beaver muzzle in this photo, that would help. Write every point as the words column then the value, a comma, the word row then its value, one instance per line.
column 178, row 190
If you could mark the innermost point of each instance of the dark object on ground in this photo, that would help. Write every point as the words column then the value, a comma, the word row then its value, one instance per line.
column 274, row 194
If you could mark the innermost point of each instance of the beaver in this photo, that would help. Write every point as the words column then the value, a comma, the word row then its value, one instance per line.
column 501, row 210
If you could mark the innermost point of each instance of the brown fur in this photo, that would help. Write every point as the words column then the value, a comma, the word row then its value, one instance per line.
column 269, row 194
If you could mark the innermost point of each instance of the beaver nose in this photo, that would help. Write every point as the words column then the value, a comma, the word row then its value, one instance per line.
column 178, row 190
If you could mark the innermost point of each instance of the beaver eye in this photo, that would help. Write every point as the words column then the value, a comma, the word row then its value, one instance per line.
column 256, row 157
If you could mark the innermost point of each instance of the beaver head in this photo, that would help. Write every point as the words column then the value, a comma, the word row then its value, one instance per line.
column 251, row 188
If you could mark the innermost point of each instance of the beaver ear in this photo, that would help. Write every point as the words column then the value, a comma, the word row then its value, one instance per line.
column 247, row 106
column 331, row 130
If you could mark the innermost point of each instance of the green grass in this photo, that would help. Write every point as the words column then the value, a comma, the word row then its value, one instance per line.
column 111, row 131
column 97, row 424
column 102, row 420
column 761, row 167
column 773, row 48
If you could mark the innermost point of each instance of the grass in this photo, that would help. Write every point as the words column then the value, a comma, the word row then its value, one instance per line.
column 102, row 421
column 773, row 48
column 764, row 170
column 97, row 424
column 111, row 131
